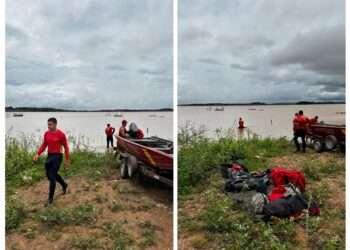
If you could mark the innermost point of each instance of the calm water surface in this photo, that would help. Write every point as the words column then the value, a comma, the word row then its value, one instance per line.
column 87, row 128
column 265, row 120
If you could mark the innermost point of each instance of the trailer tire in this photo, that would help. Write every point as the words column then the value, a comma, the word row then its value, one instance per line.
column 318, row 145
column 132, row 165
column 124, row 168
column 330, row 142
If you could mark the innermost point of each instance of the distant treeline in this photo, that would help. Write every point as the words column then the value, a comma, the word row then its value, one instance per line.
column 259, row 103
column 45, row 109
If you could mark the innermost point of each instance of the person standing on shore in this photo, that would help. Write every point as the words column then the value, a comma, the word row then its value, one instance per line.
column 109, row 134
column 54, row 140
column 299, row 127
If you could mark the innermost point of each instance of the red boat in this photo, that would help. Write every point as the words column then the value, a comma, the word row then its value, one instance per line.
column 151, row 157
column 326, row 136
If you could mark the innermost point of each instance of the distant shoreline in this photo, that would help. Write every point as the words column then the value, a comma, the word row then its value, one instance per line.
column 34, row 109
column 257, row 104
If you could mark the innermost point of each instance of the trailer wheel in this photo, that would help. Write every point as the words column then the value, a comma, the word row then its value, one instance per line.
column 124, row 168
column 330, row 142
column 132, row 166
column 318, row 145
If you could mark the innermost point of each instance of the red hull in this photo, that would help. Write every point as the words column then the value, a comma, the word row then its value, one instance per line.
column 323, row 130
column 148, row 155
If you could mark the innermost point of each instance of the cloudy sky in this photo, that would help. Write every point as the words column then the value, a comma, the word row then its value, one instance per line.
column 270, row 51
column 89, row 53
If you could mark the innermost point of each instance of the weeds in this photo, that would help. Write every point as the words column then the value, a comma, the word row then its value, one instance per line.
column 121, row 239
column 85, row 214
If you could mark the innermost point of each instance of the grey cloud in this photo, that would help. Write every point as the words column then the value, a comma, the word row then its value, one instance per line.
column 242, row 67
column 275, row 51
column 321, row 50
column 209, row 61
column 68, row 54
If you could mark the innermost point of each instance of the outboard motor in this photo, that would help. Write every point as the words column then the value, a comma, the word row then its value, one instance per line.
column 133, row 130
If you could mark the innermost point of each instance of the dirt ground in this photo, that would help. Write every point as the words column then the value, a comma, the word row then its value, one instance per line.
column 137, row 205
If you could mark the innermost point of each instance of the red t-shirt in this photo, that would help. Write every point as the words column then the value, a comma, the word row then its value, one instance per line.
column 54, row 142
column 110, row 131
column 302, row 121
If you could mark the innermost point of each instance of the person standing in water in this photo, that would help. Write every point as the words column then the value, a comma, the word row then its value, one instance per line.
column 241, row 123
column 54, row 140
column 109, row 134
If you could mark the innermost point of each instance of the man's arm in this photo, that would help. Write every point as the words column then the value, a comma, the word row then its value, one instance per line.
column 41, row 149
column 66, row 147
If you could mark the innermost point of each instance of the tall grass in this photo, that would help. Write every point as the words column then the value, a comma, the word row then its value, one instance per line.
column 199, row 156
column 22, row 171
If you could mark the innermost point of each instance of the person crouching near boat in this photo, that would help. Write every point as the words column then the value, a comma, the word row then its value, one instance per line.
column 54, row 140
column 123, row 132
column 300, row 124
column 135, row 132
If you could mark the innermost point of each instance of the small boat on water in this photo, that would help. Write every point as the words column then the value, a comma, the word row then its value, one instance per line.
column 118, row 114
column 152, row 115
column 18, row 115
column 219, row 109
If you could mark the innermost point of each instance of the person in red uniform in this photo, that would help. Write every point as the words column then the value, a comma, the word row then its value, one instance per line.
column 135, row 132
column 314, row 120
column 240, row 123
column 54, row 140
column 300, row 123
column 123, row 132
column 109, row 134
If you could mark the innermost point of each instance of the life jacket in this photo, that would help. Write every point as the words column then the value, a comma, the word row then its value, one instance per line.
column 302, row 122
column 122, row 131
column 241, row 124
column 281, row 176
column 139, row 134
column 109, row 131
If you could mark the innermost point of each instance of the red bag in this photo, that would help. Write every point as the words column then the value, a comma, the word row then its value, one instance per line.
column 281, row 176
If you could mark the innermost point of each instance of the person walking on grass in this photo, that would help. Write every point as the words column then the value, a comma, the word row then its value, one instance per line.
column 109, row 134
column 54, row 140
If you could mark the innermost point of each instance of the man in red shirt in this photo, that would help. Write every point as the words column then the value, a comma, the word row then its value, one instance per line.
column 123, row 132
column 109, row 133
column 300, row 125
column 54, row 140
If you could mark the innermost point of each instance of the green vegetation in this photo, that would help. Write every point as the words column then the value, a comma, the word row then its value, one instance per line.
column 199, row 156
column 88, row 217
column 209, row 219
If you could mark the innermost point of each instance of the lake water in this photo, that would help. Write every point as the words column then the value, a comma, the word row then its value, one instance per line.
column 87, row 128
column 264, row 120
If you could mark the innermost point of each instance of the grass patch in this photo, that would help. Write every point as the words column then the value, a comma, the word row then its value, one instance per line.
column 85, row 243
column 210, row 220
column 15, row 214
column 85, row 214
column 148, row 234
column 121, row 240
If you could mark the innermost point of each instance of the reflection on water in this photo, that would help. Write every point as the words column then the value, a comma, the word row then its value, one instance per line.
column 87, row 128
column 264, row 120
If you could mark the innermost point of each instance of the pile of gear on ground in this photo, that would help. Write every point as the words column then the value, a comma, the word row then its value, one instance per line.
column 276, row 192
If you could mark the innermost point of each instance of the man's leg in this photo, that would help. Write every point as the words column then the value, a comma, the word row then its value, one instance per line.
column 296, row 136
column 51, row 176
column 112, row 141
column 108, row 140
column 303, row 142
column 59, row 179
